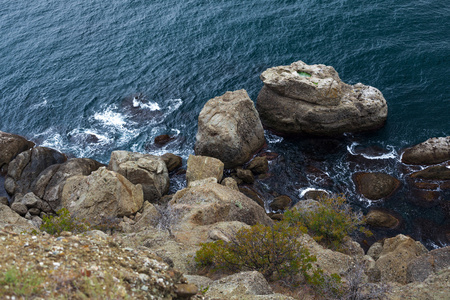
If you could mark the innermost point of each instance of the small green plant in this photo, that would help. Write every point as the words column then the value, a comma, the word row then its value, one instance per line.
column 15, row 282
column 330, row 222
column 274, row 251
column 304, row 74
column 63, row 222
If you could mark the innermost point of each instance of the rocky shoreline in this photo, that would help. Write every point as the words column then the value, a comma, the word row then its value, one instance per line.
column 128, row 198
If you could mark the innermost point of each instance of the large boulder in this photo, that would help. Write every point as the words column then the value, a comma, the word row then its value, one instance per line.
column 203, row 167
column 198, row 207
column 10, row 146
column 433, row 173
column 28, row 165
column 312, row 99
column 103, row 195
column 430, row 263
column 432, row 151
column 229, row 129
column 375, row 186
column 50, row 182
column 397, row 253
column 150, row 171
column 378, row 217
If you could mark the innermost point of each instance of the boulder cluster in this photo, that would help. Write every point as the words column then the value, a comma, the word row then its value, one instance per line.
column 129, row 195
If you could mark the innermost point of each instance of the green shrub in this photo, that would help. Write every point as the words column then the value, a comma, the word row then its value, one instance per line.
column 273, row 251
column 330, row 222
column 63, row 222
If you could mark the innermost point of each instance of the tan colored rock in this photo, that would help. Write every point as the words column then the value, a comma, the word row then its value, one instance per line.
column 229, row 129
column 427, row 264
column 231, row 183
column 172, row 161
column 245, row 175
column 103, row 194
column 281, row 203
column 259, row 165
column 12, row 221
column 149, row 171
column 202, row 167
column 432, row 151
column 208, row 204
column 311, row 99
column 394, row 258
column 202, row 182
column 382, row 218
column 433, row 173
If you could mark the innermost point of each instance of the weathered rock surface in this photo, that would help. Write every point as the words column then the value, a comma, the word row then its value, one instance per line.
column 202, row 167
column 50, row 182
column 375, row 186
column 28, row 165
column 306, row 205
column 229, row 129
column 432, row 151
column 259, row 165
column 231, row 183
column 10, row 146
column 13, row 222
column 382, row 218
column 280, row 203
column 427, row 264
column 433, row 173
column 394, row 258
column 172, row 161
column 150, row 171
column 312, row 99
column 208, row 204
column 245, row 175
column 239, row 285
column 102, row 195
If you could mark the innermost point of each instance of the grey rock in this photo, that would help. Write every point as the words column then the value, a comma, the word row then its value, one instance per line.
column 34, row 211
column 4, row 201
column 430, row 263
column 240, row 284
column 30, row 200
column 172, row 161
column 19, row 208
column 10, row 146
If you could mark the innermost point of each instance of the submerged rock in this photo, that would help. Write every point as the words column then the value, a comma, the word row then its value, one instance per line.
column 432, row 151
column 312, row 99
column 229, row 129
column 375, row 186
column 382, row 218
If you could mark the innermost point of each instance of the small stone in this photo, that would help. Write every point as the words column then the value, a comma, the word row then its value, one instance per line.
column 66, row 233
column 184, row 290
column 231, row 183
column 30, row 200
column 4, row 201
column 245, row 175
column 259, row 165
column 34, row 211
column 28, row 216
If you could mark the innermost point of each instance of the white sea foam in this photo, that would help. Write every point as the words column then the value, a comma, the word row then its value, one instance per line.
column 303, row 191
column 153, row 106
column 41, row 104
column 272, row 138
column 111, row 118
column 391, row 155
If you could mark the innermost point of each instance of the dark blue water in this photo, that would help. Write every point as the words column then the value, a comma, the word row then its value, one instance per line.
column 69, row 70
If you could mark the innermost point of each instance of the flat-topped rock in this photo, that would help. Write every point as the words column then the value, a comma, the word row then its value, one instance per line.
column 312, row 99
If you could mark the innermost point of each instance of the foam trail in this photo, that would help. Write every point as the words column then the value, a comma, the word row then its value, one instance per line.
column 391, row 155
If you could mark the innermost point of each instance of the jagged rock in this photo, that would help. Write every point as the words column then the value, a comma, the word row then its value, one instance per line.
column 147, row 170
column 150, row 217
column 280, row 203
column 102, row 195
column 30, row 200
column 375, row 186
column 202, row 167
column 19, row 208
column 435, row 287
column 10, row 146
column 427, row 264
column 245, row 175
column 28, row 165
column 49, row 185
column 239, row 285
column 231, row 183
column 172, row 161
column 12, row 221
column 229, row 129
column 253, row 194
column 312, row 99
column 433, row 173
column 432, row 151
column 394, row 258
column 259, row 165
column 382, row 218
column 208, row 204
